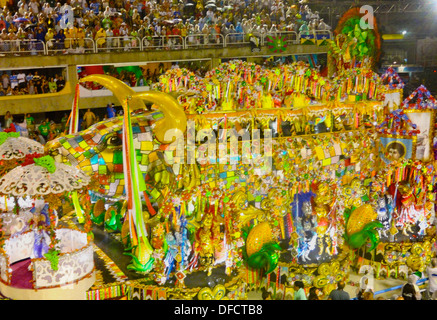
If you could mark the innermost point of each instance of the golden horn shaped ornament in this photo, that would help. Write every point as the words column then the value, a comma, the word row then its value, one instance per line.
column 120, row 90
column 174, row 116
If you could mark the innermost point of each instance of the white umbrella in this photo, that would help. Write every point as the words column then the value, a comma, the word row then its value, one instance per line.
column 41, row 178
column 19, row 147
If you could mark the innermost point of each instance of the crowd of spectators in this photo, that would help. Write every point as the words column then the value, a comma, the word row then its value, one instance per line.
column 45, row 128
column 69, row 23
column 26, row 125
column 147, row 75
column 30, row 82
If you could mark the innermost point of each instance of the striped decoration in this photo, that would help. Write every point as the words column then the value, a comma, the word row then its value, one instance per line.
column 74, row 125
column 141, row 292
column 133, row 186
column 111, row 292
column 129, row 170
column 74, row 115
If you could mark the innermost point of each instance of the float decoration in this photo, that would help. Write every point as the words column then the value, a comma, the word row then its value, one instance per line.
column 165, row 130
column 217, row 293
column 392, row 80
column 13, row 146
column 142, row 260
column 241, row 86
column 397, row 123
column 177, row 80
column 196, row 225
column 404, row 195
column 361, row 226
column 352, row 45
column 73, row 127
column 276, row 44
column 261, row 251
column 424, row 100
column 14, row 149
column 42, row 177
column 55, row 252
column 393, row 88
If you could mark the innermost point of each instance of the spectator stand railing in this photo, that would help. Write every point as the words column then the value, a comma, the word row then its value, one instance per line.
column 70, row 45
column 204, row 41
column 130, row 43
column 171, row 42
column 290, row 37
column 235, row 39
column 119, row 44
column 216, row 40
column 22, row 47
column 153, row 43
column 193, row 40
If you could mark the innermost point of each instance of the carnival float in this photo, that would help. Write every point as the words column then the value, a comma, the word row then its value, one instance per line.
column 253, row 177
column 40, row 259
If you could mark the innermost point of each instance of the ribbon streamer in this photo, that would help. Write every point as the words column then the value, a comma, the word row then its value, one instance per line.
column 133, row 187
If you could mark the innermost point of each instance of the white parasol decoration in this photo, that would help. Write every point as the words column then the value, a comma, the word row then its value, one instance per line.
column 17, row 147
column 41, row 178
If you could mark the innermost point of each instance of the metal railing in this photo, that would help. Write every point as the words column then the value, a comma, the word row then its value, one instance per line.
column 22, row 47
column 236, row 39
column 70, row 45
column 121, row 44
column 204, row 41
column 172, row 42
column 290, row 37
column 148, row 43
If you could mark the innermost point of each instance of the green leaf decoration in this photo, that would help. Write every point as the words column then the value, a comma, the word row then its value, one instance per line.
column 5, row 135
column 137, row 266
column 114, row 223
column 266, row 258
column 53, row 256
column 346, row 29
column 46, row 162
column 361, row 42
column 374, row 239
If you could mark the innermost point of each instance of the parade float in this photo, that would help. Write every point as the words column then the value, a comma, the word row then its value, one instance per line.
column 252, row 177
column 13, row 151
column 405, row 190
column 248, row 214
column 39, row 258
column 275, row 177
column 402, row 191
